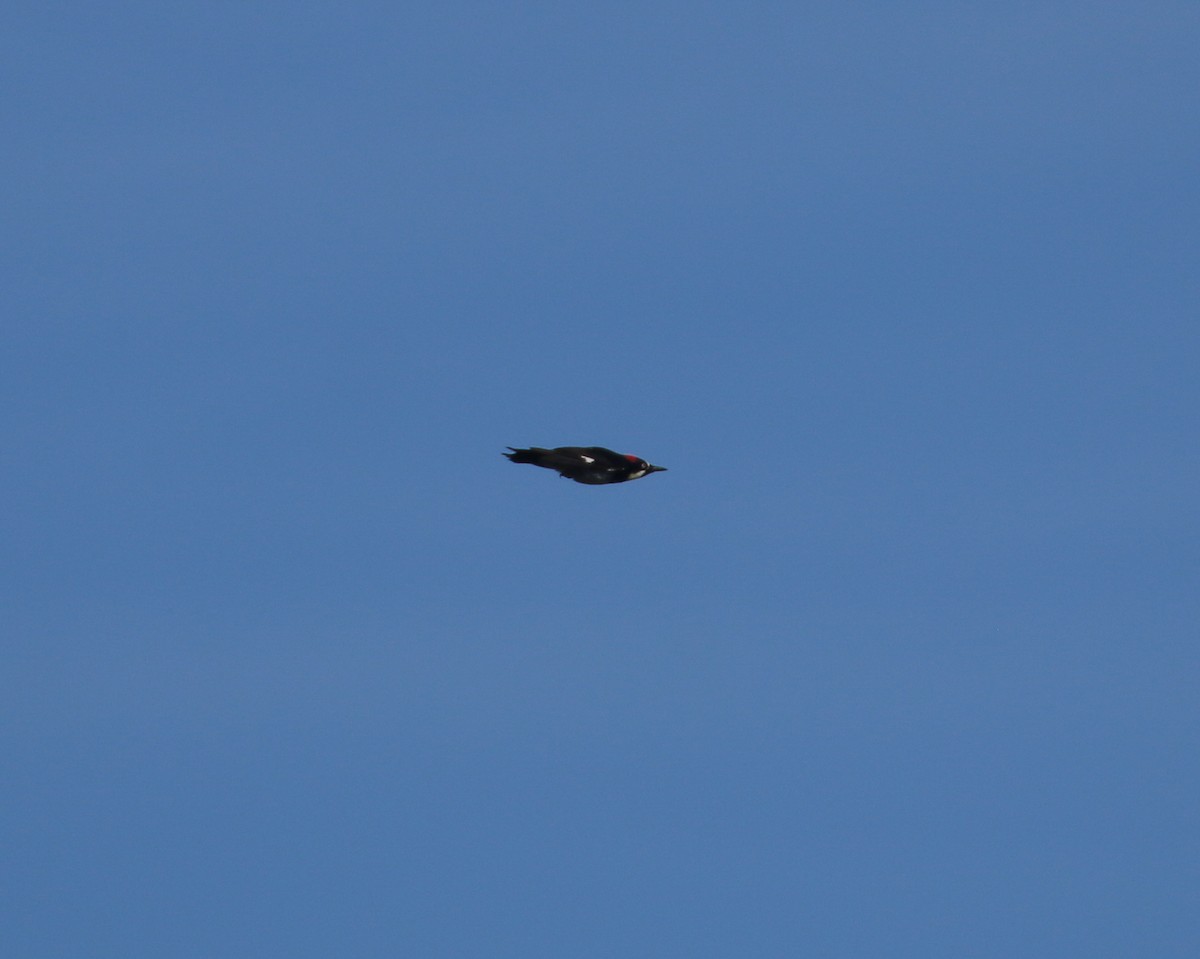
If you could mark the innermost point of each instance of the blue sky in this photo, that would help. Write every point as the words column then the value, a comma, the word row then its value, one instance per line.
column 898, row 659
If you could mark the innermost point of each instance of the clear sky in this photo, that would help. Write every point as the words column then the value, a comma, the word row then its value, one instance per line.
column 899, row 659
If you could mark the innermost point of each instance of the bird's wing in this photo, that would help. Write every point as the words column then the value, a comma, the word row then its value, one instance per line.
column 604, row 456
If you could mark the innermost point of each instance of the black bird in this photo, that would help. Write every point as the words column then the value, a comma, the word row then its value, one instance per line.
column 593, row 465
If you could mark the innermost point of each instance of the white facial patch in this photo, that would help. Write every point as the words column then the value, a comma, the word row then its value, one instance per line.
column 588, row 459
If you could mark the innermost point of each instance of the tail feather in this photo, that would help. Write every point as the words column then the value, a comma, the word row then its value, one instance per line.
column 534, row 455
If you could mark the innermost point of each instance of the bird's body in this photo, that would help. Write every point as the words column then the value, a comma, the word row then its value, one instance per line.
column 592, row 465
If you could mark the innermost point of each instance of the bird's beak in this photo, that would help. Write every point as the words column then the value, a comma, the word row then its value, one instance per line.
column 657, row 469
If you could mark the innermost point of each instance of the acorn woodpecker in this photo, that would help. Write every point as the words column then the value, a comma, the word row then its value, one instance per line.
column 593, row 465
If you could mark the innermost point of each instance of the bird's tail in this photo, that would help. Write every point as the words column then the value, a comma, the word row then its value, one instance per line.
column 536, row 455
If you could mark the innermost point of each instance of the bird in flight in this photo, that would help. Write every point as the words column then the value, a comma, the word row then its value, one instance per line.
column 593, row 465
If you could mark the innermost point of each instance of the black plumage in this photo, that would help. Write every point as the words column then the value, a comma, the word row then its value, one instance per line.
column 592, row 465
